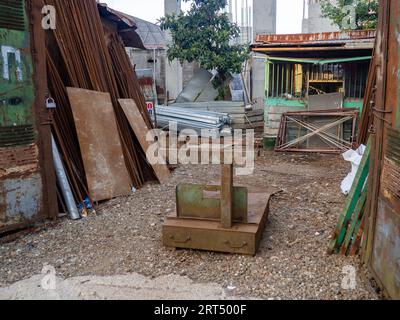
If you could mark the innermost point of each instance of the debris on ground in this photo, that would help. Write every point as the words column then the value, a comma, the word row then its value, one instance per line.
column 125, row 236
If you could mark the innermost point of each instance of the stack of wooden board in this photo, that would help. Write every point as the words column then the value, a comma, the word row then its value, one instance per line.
column 349, row 231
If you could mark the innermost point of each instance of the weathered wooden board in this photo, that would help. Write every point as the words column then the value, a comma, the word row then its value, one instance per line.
column 351, row 202
column 138, row 125
column 100, row 144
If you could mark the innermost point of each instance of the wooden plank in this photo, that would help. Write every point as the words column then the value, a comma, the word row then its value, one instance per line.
column 138, row 125
column 355, row 221
column 351, row 202
column 357, row 239
column 100, row 144
column 227, row 195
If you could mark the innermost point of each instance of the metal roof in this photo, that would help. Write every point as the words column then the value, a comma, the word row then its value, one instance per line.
column 307, row 43
column 151, row 34
column 324, row 44
column 123, row 20
column 125, row 24
column 316, row 38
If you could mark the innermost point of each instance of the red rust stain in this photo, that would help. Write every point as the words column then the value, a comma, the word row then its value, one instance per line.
column 18, row 160
column 312, row 37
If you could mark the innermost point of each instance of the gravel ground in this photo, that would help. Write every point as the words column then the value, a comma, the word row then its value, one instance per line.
column 125, row 237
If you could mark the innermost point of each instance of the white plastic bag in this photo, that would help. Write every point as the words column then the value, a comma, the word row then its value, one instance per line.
column 354, row 157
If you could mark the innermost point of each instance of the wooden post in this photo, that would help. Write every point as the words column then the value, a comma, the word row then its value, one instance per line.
column 226, row 195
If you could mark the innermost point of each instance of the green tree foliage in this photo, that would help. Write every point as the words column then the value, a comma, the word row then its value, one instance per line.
column 204, row 35
column 366, row 13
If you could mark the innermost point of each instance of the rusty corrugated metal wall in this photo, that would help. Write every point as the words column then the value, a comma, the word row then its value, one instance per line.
column 382, row 243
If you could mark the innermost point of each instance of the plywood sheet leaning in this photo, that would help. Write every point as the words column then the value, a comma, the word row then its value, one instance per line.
column 140, row 128
column 100, row 144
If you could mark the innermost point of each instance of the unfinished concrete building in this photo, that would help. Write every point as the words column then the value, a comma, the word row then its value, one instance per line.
column 300, row 67
column 264, row 22
column 313, row 21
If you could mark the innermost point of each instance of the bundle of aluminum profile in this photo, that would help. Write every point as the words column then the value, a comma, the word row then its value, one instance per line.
column 196, row 120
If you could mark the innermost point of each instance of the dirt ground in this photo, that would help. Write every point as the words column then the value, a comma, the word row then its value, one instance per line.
column 125, row 237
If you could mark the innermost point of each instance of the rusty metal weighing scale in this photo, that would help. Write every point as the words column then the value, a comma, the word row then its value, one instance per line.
column 217, row 218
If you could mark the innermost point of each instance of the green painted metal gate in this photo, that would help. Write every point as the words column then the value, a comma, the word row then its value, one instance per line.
column 21, row 175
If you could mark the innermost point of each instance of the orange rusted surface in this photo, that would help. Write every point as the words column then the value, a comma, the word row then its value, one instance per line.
column 315, row 37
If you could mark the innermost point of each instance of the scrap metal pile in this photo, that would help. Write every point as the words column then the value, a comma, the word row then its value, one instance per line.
column 242, row 116
column 196, row 120
column 85, row 51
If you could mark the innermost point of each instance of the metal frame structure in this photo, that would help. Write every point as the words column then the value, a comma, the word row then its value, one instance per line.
column 321, row 124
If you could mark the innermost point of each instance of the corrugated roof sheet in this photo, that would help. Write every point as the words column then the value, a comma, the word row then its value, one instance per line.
column 125, row 24
column 151, row 34
column 304, row 38
column 123, row 20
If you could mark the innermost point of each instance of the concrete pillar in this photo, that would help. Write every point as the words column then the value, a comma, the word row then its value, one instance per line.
column 258, row 80
column 173, row 69
column 264, row 22
column 264, row 17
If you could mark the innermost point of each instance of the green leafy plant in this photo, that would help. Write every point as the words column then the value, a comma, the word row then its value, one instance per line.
column 366, row 13
column 204, row 35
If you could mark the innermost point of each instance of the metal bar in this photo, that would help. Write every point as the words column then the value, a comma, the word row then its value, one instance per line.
column 273, row 81
column 324, row 128
column 292, row 80
column 64, row 184
column 278, row 79
column 355, row 80
column 325, row 135
column 283, row 80
column 267, row 78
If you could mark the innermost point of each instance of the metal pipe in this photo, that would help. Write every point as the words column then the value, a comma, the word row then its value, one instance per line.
column 200, row 116
column 63, row 183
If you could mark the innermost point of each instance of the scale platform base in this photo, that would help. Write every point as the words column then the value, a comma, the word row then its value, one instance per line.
column 199, row 234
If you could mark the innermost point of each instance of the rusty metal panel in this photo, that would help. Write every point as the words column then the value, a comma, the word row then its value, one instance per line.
column 12, row 15
column 141, row 130
column 100, row 144
column 314, row 37
column 390, row 182
column 200, row 201
column 22, row 179
column 386, row 251
column 209, row 235
column 21, row 159
column 20, row 199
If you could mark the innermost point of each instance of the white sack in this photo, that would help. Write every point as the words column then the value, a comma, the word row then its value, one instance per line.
column 354, row 157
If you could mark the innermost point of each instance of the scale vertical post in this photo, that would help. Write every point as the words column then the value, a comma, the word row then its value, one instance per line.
column 227, row 195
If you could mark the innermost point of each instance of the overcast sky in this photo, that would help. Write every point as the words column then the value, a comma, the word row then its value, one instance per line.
column 289, row 17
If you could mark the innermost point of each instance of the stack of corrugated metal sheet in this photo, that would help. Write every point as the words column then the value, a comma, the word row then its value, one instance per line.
column 196, row 120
